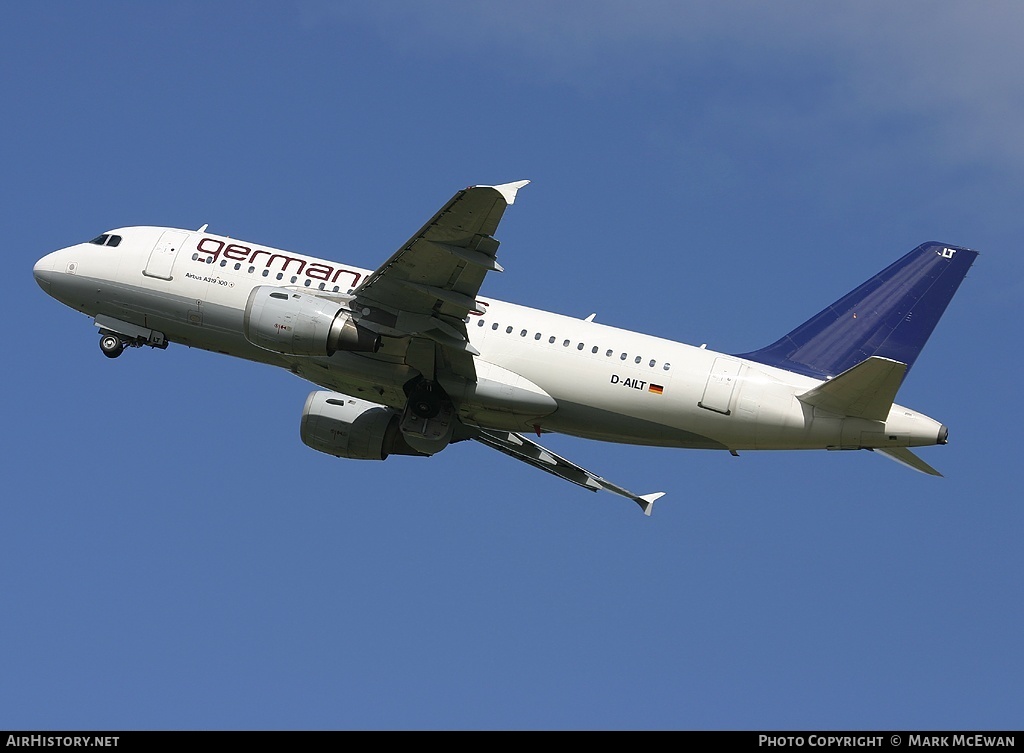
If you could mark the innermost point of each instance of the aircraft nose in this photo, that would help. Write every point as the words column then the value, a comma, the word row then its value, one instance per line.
column 43, row 272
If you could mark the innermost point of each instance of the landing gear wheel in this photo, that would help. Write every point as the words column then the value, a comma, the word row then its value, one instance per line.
column 111, row 345
column 425, row 404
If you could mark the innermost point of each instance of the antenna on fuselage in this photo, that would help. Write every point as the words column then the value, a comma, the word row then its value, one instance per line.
column 203, row 228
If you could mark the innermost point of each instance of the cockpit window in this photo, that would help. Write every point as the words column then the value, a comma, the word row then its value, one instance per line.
column 106, row 240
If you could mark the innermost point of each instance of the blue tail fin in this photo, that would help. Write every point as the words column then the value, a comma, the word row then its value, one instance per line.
column 891, row 315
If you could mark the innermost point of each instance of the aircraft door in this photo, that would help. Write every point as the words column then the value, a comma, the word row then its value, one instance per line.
column 161, row 258
column 721, row 383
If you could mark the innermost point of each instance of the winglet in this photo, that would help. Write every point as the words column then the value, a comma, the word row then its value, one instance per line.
column 646, row 501
column 508, row 190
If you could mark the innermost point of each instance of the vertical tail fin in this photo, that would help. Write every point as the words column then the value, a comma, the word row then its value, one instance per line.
column 891, row 315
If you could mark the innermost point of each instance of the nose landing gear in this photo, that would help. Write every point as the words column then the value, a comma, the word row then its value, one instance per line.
column 111, row 345
column 116, row 335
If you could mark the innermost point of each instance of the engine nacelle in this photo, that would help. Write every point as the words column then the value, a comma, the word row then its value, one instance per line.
column 347, row 427
column 299, row 324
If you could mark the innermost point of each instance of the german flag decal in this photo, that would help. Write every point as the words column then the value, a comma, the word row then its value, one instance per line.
column 657, row 389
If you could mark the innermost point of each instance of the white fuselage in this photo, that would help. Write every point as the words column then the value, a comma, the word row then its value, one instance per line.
column 608, row 383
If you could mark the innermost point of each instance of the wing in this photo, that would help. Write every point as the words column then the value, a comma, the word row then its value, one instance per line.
column 421, row 297
column 429, row 286
column 519, row 447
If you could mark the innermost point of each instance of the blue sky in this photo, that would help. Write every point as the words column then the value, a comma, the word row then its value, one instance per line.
column 175, row 558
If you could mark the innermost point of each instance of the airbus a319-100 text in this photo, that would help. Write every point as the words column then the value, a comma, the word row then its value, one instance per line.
column 411, row 358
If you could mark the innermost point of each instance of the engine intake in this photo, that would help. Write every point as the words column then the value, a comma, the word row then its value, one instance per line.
column 300, row 324
column 347, row 427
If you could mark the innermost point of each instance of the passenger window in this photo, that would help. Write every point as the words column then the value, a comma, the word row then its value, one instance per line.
column 238, row 266
column 280, row 275
column 666, row 366
column 609, row 353
column 638, row 359
column 565, row 344
column 652, row 363
column 622, row 357
column 551, row 339
column 266, row 272
column 537, row 336
column 594, row 349
column 480, row 322
column 523, row 333
column 223, row 262
column 579, row 347
column 494, row 326
column 252, row 269
column 508, row 330
column 307, row 282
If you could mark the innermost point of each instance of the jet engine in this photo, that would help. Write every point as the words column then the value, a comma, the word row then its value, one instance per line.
column 300, row 324
column 351, row 428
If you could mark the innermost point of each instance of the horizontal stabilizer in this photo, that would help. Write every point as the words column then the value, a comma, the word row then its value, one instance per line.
column 903, row 456
column 521, row 448
column 865, row 391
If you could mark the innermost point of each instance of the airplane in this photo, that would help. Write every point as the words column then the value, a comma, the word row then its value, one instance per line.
column 410, row 358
